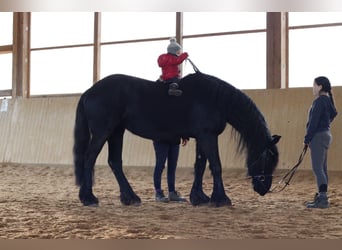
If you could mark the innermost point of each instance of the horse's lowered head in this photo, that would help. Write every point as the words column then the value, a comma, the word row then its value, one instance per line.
column 261, row 168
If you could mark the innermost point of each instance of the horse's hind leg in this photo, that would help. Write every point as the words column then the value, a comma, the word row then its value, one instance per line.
column 115, row 143
column 197, row 196
column 86, row 188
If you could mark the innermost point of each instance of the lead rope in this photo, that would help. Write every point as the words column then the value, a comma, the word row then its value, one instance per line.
column 288, row 176
column 193, row 65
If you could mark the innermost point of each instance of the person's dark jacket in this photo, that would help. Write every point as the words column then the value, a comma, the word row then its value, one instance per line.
column 169, row 64
column 321, row 114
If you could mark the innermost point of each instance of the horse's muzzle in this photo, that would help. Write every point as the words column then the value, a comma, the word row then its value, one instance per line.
column 262, row 184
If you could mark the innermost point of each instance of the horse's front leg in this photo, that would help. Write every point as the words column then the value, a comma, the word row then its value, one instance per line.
column 127, row 195
column 197, row 196
column 210, row 148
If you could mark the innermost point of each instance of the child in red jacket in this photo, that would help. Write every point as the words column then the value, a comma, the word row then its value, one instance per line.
column 169, row 64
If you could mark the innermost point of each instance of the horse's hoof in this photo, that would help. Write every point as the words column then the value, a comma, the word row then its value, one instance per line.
column 90, row 204
column 203, row 204
column 199, row 199
column 93, row 205
column 136, row 204
column 133, row 203
column 199, row 203
column 89, row 200
column 221, row 203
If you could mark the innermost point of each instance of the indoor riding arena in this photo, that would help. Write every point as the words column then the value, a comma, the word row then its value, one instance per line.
column 39, row 197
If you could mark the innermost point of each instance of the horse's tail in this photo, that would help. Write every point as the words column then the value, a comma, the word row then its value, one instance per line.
column 81, row 142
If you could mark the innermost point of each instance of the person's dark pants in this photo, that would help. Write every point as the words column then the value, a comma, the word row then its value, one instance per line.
column 170, row 152
column 319, row 146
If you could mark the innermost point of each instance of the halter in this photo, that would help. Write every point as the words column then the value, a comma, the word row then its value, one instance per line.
column 261, row 177
column 287, row 177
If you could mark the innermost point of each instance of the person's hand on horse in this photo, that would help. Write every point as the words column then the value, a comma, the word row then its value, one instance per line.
column 184, row 141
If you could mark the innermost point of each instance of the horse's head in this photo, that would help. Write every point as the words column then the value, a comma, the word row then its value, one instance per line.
column 261, row 168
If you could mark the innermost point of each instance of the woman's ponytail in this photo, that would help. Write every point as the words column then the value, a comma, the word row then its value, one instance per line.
column 332, row 99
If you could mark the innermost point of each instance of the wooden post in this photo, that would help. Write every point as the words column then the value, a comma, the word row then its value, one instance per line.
column 21, row 54
column 179, row 27
column 97, row 47
column 179, row 32
column 277, row 50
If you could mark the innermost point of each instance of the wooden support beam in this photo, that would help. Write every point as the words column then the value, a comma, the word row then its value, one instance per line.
column 21, row 54
column 179, row 27
column 179, row 32
column 5, row 49
column 97, row 47
column 277, row 50
column 6, row 92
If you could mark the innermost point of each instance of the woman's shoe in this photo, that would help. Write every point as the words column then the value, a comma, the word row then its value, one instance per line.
column 160, row 197
column 176, row 196
column 319, row 202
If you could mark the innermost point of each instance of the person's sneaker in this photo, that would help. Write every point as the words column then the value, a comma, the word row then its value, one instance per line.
column 173, row 89
column 176, row 196
column 160, row 197
column 319, row 202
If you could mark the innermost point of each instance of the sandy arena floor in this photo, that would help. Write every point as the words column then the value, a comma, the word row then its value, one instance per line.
column 40, row 202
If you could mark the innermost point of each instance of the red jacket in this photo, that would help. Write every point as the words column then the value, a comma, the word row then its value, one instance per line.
column 169, row 64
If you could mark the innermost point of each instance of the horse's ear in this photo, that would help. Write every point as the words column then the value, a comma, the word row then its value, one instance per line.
column 275, row 139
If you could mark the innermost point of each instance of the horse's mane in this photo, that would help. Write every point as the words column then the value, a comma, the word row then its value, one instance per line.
column 249, row 127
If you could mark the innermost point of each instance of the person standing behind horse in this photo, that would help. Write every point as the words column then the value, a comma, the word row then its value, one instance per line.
column 169, row 63
column 318, row 137
column 167, row 150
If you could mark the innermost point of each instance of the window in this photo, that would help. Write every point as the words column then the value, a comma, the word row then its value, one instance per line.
column 5, row 71
column 6, row 42
column 229, row 45
column 60, row 71
column 139, row 58
column 136, row 59
column 314, row 51
column 121, row 26
column 308, row 18
column 238, row 58
column 50, row 29
column 212, row 22
column 6, row 28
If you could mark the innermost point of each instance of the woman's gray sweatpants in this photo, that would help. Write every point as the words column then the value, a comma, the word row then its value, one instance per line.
column 319, row 146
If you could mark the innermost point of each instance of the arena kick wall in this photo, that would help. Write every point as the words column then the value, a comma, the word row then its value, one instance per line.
column 39, row 130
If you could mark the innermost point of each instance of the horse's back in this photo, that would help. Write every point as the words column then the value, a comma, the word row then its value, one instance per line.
column 145, row 108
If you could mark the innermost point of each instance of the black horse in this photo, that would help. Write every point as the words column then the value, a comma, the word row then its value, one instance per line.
column 119, row 102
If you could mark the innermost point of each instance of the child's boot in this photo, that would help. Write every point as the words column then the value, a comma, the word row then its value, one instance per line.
column 174, row 89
